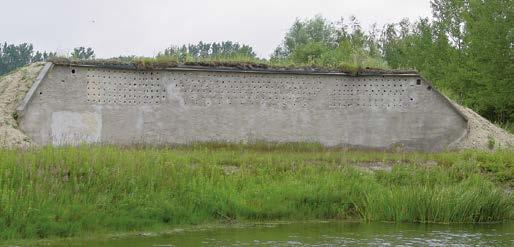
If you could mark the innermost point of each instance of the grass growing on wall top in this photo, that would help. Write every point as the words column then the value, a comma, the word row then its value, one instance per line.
column 241, row 62
column 72, row 191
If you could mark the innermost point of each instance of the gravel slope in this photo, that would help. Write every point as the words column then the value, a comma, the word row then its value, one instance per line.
column 482, row 133
column 13, row 88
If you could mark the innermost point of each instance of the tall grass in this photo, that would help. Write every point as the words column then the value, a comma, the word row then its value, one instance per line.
column 75, row 190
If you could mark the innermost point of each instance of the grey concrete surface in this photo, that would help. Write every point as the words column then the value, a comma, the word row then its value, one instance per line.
column 88, row 104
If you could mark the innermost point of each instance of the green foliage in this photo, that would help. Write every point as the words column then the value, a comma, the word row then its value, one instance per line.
column 509, row 126
column 82, row 53
column 467, row 49
column 317, row 42
column 202, row 51
column 491, row 143
column 316, row 30
column 226, row 53
column 489, row 41
column 69, row 191
column 154, row 63
column 16, row 56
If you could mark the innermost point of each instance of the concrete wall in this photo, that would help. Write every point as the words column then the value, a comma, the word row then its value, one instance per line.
column 74, row 104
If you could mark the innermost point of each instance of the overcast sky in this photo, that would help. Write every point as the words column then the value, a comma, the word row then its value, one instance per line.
column 144, row 27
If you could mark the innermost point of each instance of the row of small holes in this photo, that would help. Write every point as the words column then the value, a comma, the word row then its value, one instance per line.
column 122, row 72
column 246, row 85
column 113, row 88
column 139, row 102
column 342, row 106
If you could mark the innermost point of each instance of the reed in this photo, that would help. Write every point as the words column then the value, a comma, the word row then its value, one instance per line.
column 70, row 191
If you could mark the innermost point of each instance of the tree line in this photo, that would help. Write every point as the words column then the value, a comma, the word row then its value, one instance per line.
column 225, row 49
column 15, row 56
column 465, row 49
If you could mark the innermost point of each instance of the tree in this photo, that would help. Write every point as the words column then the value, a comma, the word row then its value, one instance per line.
column 15, row 56
column 83, row 53
column 202, row 50
column 318, row 42
column 448, row 18
column 489, row 52
column 316, row 30
column 467, row 50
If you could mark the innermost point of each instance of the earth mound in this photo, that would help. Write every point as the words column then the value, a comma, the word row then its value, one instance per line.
column 13, row 88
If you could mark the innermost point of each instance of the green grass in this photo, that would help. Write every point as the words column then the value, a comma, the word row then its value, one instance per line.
column 238, row 61
column 63, row 192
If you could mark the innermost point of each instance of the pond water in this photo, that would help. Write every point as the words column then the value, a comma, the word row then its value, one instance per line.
column 324, row 234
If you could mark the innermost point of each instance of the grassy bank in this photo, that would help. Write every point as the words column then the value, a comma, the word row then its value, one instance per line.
column 71, row 191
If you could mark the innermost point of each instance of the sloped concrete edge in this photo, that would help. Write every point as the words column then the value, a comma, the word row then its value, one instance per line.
column 457, row 110
column 28, row 97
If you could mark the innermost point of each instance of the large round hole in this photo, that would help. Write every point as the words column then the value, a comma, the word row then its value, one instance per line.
column 73, row 71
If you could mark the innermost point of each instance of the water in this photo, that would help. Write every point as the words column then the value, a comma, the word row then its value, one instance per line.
column 324, row 234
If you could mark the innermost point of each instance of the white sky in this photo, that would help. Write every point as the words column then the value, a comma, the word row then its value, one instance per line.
column 144, row 27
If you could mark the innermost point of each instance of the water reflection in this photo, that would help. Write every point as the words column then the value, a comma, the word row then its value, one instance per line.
column 328, row 234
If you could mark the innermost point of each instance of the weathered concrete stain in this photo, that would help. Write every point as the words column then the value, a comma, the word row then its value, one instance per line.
column 76, row 127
